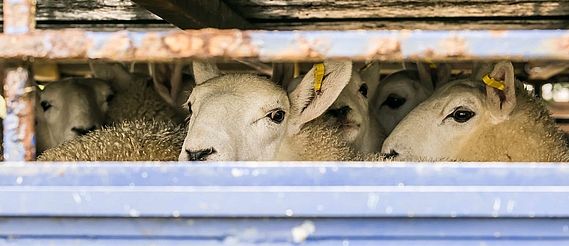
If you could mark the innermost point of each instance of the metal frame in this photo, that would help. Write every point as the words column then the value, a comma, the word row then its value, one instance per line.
column 270, row 203
column 284, row 204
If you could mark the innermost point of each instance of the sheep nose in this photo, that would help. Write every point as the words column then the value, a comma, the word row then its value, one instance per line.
column 339, row 112
column 200, row 155
column 83, row 131
column 392, row 154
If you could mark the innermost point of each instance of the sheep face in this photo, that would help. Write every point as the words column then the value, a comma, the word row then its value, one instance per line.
column 242, row 120
column 246, row 117
column 397, row 95
column 456, row 113
column 69, row 108
column 402, row 91
column 350, row 112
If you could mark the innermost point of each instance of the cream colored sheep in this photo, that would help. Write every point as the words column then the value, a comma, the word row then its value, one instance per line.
column 135, row 96
column 402, row 91
column 467, row 120
column 246, row 117
column 138, row 140
column 350, row 112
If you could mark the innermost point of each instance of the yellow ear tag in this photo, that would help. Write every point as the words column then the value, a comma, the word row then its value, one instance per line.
column 41, row 87
column 2, row 107
column 318, row 76
column 431, row 64
column 494, row 83
column 367, row 66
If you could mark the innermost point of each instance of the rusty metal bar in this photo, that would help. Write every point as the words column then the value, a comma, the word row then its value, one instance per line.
column 19, row 16
column 19, row 137
column 19, row 134
column 70, row 44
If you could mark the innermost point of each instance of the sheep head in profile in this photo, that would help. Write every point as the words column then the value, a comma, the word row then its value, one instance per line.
column 467, row 120
column 350, row 112
column 402, row 91
column 70, row 108
column 245, row 117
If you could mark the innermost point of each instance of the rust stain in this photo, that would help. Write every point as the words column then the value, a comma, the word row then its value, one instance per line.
column 183, row 44
column 19, row 122
column 562, row 45
column 498, row 33
column 385, row 48
column 453, row 46
column 19, row 16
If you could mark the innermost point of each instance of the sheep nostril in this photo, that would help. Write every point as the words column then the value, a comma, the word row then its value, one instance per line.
column 392, row 154
column 339, row 112
column 200, row 155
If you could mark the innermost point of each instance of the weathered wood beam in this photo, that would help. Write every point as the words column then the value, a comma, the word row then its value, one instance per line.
column 76, row 10
column 307, row 9
column 196, row 14
column 395, row 24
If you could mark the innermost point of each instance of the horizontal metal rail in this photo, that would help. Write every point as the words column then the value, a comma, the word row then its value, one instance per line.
column 285, row 203
column 282, row 189
column 518, row 45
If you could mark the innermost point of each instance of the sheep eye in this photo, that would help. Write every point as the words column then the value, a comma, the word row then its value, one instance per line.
column 276, row 116
column 461, row 115
column 394, row 101
column 45, row 105
column 189, row 106
column 110, row 97
column 363, row 90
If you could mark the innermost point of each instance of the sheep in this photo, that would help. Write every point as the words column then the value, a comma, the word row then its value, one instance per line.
column 274, row 126
column 350, row 111
column 466, row 120
column 162, row 140
column 402, row 91
column 137, row 140
column 135, row 96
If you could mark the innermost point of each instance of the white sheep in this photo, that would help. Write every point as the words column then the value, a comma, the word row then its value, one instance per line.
column 138, row 140
column 402, row 91
column 70, row 108
column 350, row 112
column 467, row 120
column 246, row 117
column 135, row 95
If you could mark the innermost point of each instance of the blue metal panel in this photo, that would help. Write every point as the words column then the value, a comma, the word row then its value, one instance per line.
column 516, row 45
column 269, row 203
column 333, row 189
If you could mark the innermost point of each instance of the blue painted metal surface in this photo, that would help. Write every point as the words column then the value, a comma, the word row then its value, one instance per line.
column 269, row 203
column 515, row 45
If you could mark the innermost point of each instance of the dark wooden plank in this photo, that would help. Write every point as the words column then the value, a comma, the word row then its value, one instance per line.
column 301, row 9
column 196, row 14
column 457, row 24
column 67, row 10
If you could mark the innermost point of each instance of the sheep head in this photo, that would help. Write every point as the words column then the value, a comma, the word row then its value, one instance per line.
column 402, row 91
column 245, row 117
column 69, row 108
column 471, row 120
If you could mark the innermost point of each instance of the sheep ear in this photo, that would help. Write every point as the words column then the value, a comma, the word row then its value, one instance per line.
column 283, row 74
column 167, row 79
column 370, row 73
column 479, row 69
column 425, row 76
column 108, row 71
column 204, row 71
column 444, row 74
column 307, row 104
column 114, row 73
column 502, row 102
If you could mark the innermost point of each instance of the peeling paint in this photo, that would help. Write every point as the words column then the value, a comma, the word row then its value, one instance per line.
column 302, row 232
